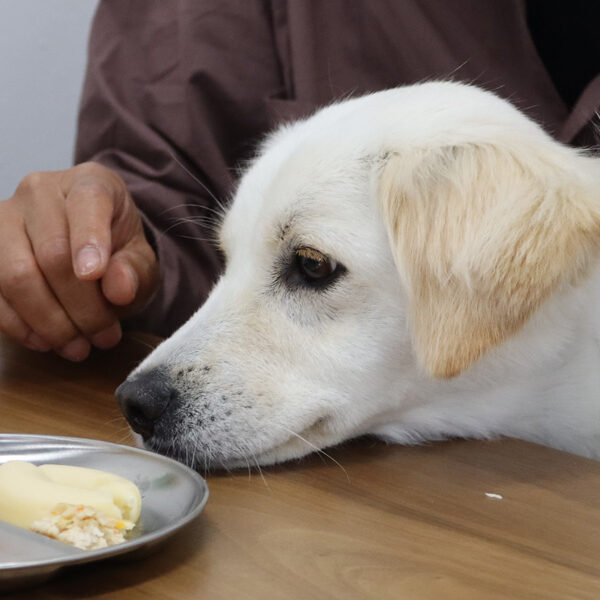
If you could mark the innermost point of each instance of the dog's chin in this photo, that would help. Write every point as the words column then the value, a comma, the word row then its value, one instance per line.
column 293, row 448
column 200, row 461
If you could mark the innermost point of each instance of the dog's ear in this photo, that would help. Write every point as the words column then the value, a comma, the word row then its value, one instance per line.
column 481, row 238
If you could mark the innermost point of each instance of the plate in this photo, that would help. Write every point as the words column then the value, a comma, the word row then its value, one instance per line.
column 172, row 495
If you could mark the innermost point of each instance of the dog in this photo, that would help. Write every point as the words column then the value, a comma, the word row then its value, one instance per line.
column 416, row 264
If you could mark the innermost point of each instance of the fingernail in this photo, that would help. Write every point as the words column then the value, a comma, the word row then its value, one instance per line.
column 88, row 260
column 75, row 350
column 34, row 342
column 109, row 337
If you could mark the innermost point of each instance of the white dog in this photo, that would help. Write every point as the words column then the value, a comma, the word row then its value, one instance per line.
column 416, row 264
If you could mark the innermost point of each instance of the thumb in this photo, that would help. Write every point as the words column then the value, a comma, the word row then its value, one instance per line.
column 132, row 275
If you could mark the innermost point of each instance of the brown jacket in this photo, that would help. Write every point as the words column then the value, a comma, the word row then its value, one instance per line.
column 178, row 93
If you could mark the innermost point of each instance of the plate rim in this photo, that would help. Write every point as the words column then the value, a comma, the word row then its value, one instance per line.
column 125, row 547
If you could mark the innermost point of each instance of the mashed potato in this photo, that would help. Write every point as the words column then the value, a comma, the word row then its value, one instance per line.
column 84, row 507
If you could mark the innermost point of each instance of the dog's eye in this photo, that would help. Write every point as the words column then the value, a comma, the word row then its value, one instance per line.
column 311, row 268
column 313, row 264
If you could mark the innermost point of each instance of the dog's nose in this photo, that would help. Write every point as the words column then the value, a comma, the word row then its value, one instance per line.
column 144, row 399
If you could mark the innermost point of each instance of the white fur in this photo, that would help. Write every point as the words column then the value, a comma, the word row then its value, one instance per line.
column 267, row 373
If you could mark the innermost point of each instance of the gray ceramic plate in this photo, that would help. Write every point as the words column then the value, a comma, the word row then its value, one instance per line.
column 172, row 495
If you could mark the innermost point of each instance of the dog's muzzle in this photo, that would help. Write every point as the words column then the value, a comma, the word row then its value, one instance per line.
column 143, row 400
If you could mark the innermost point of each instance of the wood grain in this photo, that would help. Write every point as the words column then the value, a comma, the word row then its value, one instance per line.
column 392, row 522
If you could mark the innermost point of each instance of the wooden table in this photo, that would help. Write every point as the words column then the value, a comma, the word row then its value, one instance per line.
column 454, row 520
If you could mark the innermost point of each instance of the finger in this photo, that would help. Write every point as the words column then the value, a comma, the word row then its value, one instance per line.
column 82, row 301
column 14, row 327
column 76, row 350
column 24, row 288
column 89, row 205
column 21, row 281
column 132, row 275
column 120, row 282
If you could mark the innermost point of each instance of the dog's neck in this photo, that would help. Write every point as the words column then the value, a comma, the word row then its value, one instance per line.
column 543, row 385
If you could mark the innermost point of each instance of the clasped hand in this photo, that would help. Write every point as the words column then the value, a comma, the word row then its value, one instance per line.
column 74, row 260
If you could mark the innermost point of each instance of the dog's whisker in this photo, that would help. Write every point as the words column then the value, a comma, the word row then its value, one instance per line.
column 140, row 340
column 114, row 420
column 194, row 459
column 209, row 222
column 208, row 225
column 201, row 207
column 210, row 218
column 123, row 428
column 319, row 451
column 212, row 222
column 181, row 222
column 124, row 432
column 260, row 471
column 219, row 213
column 196, row 237
column 198, row 181
column 123, row 436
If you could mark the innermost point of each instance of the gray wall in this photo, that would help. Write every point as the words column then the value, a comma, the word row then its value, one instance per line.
column 42, row 62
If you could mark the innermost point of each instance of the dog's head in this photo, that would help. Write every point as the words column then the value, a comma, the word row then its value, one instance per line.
column 381, row 245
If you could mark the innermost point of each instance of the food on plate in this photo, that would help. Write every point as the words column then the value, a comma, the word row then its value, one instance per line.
column 82, row 526
column 87, row 508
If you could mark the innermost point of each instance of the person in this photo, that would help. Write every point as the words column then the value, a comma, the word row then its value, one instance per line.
column 178, row 94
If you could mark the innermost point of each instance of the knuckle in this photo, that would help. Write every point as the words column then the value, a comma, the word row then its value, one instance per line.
column 58, row 330
column 91, row 314
column 11, row 325
column 54, row 255
column 99, row 177
column 92, row 190
column 31, row 183
column 93, row 323
column 17, row 275
column 88, row 168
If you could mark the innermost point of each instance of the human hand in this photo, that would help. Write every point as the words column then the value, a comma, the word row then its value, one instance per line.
column 73, row 260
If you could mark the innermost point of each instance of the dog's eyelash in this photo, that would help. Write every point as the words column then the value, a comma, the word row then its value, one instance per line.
column 293, row 277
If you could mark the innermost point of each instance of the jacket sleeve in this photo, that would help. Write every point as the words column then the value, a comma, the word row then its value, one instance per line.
column 174, row 98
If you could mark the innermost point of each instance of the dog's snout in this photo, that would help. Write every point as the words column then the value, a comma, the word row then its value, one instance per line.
column 144, row 399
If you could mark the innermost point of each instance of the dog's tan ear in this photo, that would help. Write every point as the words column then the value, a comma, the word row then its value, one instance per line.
column 481, row 239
